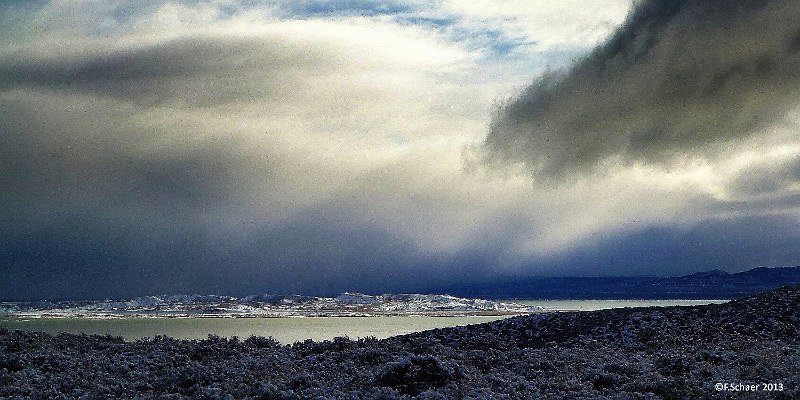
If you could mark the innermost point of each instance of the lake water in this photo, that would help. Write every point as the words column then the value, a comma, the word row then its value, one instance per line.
column 289, row 330
column 284, row 330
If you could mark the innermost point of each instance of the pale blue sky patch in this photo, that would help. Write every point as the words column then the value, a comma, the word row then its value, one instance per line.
column 323, row 8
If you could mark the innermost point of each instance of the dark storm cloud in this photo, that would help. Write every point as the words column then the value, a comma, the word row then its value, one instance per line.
column 80, row 255
column 729, row 244
column 679, row 77
column 123, row 174
column 185, row 72
column 769, row 178
column 87, row 209
column 94, row 207
column 127, row 127
column 52, row 160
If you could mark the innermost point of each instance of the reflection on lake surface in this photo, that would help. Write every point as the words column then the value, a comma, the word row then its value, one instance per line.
column 284, row 330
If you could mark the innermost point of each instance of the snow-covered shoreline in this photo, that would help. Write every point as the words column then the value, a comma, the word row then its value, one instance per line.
column 268, row 306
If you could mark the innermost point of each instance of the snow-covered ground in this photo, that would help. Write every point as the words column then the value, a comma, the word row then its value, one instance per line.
column 346, row 304
column 701, row 352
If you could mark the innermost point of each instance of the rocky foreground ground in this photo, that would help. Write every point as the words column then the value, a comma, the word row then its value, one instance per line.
column 750, row 348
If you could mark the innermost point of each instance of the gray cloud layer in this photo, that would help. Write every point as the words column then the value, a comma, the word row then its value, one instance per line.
column 307, row 155
column 183, row 72
column 679, row 77
column 201, row 162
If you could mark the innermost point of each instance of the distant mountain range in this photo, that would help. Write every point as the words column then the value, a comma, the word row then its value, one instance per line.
column 714, row 284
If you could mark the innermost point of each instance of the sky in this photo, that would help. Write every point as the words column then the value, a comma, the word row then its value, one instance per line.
column 316, row 147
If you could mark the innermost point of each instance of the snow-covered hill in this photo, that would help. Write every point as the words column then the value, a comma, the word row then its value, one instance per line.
column 346, row 304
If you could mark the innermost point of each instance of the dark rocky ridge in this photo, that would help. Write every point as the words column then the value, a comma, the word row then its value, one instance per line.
column 670, row 353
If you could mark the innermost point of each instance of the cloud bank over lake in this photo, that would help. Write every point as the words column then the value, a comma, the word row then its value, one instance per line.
column 317, row 147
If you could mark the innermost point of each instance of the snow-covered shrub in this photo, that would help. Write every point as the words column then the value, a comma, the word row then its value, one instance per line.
column 417, row 373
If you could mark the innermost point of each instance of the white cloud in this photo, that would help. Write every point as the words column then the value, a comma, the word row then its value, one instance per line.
column 361, row 118
column 571, row 23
